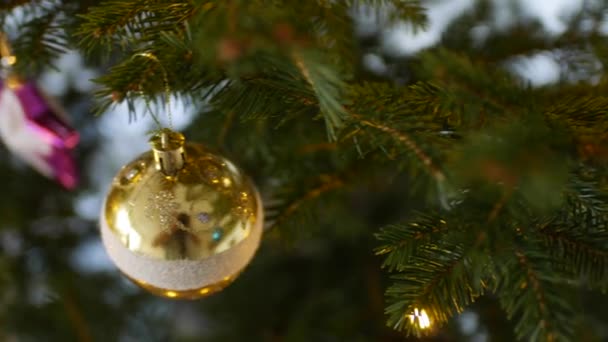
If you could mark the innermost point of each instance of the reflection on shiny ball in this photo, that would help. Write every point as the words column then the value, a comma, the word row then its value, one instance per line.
column 184, row 235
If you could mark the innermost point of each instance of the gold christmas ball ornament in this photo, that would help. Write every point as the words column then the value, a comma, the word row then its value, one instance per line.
column 181, row 221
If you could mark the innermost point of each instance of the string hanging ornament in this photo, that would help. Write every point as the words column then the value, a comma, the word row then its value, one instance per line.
column 180, row 220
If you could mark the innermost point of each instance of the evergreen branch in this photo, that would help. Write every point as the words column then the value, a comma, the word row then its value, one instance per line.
column 288, row 209
column 171, row 56
column 221, row 136
column 577, row 234
column 438, row 279
column 583, row 117
column 42, row 39
column 136, row 76
column 582, row 254
column 401, row 241
column 576, row 112
column 133, row 23
column 534, row 284
column 586, row 204
column 395, row 111
column 421, row 101
column 409, row 10
column 264, row 98
column 408, row 142
column 77, row 319
column 421, row 107
column 533, row 294
column 472, row 85
column 500, row 204
column 327, row 86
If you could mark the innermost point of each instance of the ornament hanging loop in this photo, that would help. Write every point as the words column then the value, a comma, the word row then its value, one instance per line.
column 167, row 95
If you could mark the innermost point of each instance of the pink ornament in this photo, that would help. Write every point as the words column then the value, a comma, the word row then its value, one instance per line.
column 34, row 129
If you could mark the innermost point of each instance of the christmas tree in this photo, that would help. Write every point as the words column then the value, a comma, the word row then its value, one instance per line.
column 431, row 170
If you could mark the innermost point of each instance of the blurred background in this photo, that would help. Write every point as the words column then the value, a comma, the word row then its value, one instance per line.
column 57, row 283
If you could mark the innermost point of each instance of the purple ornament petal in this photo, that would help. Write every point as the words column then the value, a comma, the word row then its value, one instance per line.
column 38, row 133
column 45, row 114
column 65, row 169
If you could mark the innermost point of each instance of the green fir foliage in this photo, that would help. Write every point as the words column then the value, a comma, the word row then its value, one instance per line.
column 473, row 182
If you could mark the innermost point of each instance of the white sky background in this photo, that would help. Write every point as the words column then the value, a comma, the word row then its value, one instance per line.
column 124, row 140
column 551, row 13
column 539, row 69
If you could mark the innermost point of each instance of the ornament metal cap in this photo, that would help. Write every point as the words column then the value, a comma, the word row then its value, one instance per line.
column 6, row 55
column 7, row 60
column 168, row 150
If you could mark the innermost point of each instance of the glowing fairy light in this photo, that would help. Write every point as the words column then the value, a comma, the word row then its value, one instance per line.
column 421, row 317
